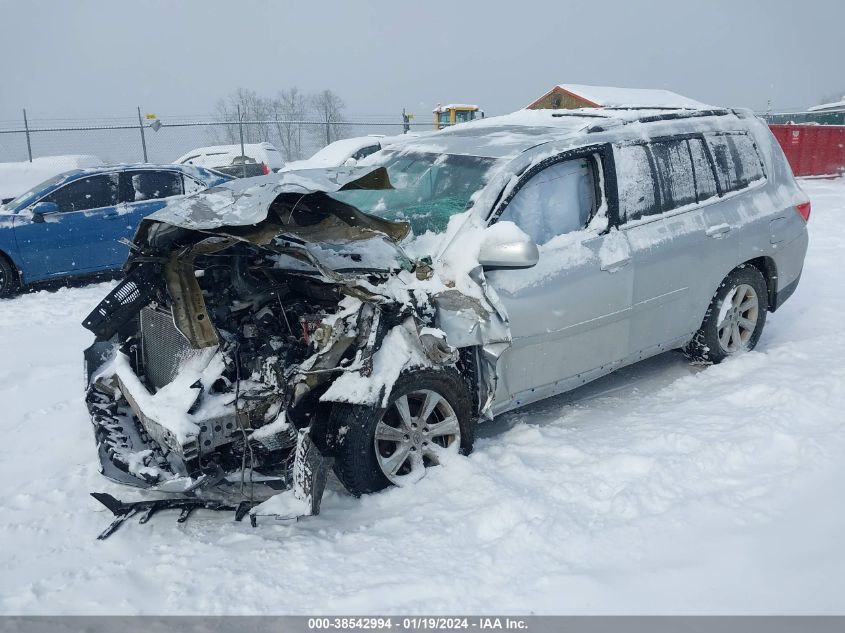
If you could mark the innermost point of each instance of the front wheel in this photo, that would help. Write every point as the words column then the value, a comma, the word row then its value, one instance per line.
column 8, row 278
column 428, row 415
column 735, row 319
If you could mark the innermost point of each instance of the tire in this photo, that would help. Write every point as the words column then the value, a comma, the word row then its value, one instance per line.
column 8, row 277
column 731, row 329
column 363, row 464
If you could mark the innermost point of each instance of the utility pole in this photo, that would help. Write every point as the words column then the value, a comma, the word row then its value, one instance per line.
column 26, row 127
column 143, row 138
column 241, row 131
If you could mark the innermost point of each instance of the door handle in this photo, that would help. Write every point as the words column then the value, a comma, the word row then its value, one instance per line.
column 616, row 265
column 718, row 231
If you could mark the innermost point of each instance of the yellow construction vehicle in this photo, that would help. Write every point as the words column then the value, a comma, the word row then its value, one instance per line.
column 447, row 115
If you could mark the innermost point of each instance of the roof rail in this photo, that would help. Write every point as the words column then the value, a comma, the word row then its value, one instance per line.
column 668, row 116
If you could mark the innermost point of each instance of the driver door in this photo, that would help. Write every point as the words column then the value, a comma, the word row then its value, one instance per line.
column 75, row 239
column 570, row 314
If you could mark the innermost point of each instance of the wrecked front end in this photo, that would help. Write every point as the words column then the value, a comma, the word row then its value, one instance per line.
column 219, row 354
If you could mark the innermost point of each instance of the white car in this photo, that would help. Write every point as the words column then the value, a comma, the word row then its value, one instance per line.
column 346, row 151
column 217, row 156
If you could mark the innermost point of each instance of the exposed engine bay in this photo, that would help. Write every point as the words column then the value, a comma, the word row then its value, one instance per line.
column 215, row 355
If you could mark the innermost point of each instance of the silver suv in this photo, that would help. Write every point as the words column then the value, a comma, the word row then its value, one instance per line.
column 366, row 318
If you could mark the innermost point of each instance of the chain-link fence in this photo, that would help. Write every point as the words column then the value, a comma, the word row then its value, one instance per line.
column 165, row 139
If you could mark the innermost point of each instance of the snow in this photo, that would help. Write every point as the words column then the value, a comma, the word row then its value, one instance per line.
column 836, row 105
column 398, row 352
column 455, row 106
column 18, row 178
column 608, row 97
column 663, row 488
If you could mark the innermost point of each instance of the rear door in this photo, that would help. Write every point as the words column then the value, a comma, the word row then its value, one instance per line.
column 680, row 238
column 569, row 315
column 76, row 239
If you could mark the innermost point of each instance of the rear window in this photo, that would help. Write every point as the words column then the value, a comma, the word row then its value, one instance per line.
column 637, row 187
column 736, row 160
column 673, row 163
column 705, row 181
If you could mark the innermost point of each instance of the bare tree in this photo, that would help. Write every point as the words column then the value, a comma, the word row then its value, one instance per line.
column 328, row 108
column 288, row 107
column 253, row 107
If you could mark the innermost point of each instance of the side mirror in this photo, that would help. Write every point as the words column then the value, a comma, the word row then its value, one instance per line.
column 41, row 209
column 506, row 246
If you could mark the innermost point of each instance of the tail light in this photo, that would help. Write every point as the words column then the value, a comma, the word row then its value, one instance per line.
column 266, row 170
column 804, row 210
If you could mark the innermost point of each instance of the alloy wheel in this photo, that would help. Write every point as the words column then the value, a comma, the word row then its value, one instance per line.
column 740, row 312
column 414, row 432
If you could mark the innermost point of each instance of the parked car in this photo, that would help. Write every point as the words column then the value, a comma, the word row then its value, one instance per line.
column 73, row 224
column 347, row 151
column 253, row 159
column 364, row 319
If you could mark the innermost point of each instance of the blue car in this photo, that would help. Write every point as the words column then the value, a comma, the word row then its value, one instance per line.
column 75, row 224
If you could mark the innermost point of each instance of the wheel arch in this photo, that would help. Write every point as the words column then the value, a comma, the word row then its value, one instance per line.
column 768, row 268
column 15, row 268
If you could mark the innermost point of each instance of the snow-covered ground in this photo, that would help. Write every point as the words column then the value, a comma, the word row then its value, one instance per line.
column 664, row 488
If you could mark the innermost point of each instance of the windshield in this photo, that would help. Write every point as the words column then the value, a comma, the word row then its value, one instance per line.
column 33, row 194
column 428, row 188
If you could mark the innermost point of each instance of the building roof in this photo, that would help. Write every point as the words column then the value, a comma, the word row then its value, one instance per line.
column 611, row 97
column 836, row 105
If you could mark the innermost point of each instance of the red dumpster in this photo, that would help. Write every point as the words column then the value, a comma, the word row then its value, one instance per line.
column 813, row 150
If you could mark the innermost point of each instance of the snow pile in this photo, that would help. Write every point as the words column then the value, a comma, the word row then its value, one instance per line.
column 18, row 178
column 663, row 488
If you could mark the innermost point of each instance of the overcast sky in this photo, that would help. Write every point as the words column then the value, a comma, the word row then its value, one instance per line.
column 91, row 58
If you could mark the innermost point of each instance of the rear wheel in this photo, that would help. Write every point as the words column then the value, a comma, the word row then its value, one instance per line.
column 427, row 417
column 735, row 318
column 8, row 277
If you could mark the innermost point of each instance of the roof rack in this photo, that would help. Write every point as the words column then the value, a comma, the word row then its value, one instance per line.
column 674, row 114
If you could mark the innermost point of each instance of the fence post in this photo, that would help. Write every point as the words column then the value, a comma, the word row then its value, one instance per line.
column 328, row 134
column 143, row 138
column 241, row 131
column 26, row 127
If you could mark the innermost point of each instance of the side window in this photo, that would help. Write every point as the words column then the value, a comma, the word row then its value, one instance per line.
column 92, row 192
column 560, row 199
column 750, row 165
column 191, row 186
column 366, row 151
column 148, row 184
column 674, row 172
column 705, row 181
column 736, row 160
column 636, row 184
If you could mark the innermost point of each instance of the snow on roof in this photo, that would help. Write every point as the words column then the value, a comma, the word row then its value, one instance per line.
column 610, row 97
column 455, row 106
column 334, row 154
column 836, row 105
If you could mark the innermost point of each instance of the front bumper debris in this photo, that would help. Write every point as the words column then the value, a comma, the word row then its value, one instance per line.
column 301, row 499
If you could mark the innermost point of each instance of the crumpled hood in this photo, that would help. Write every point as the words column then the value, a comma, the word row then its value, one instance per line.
column 244, row 203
